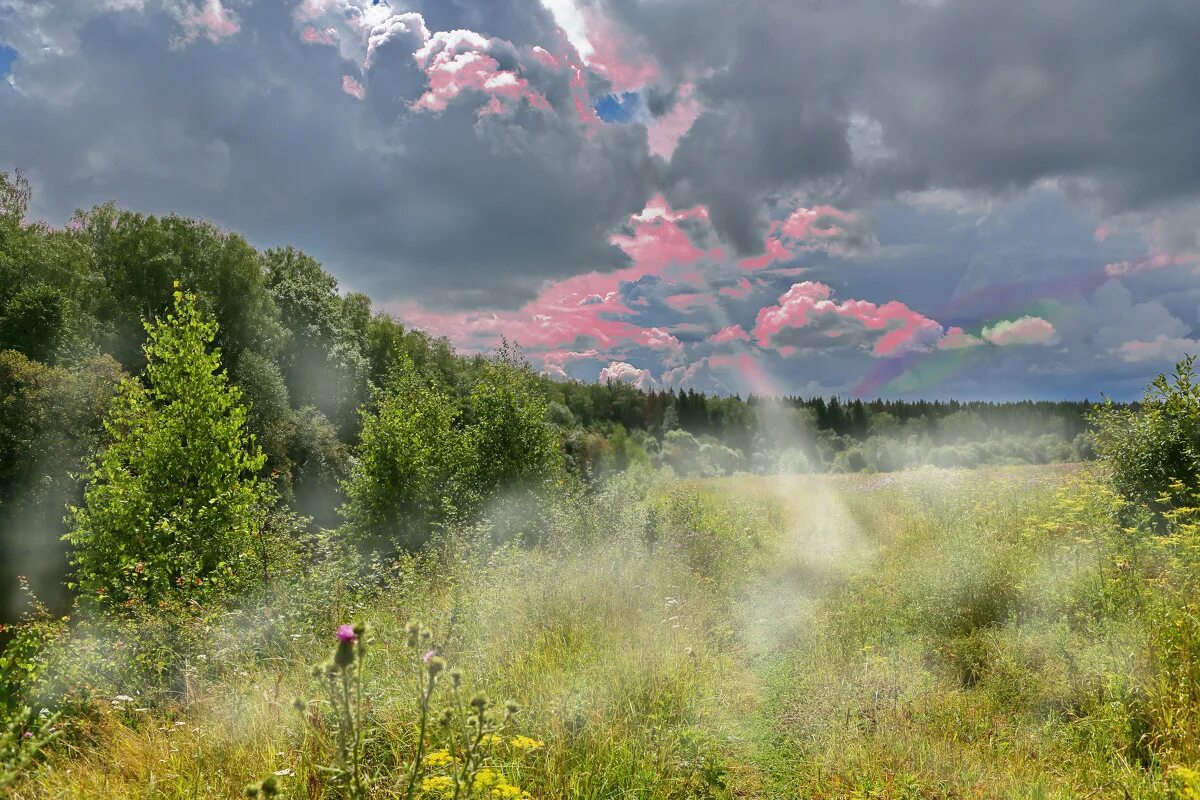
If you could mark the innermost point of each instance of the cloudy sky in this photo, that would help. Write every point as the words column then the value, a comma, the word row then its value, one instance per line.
column 967, row 198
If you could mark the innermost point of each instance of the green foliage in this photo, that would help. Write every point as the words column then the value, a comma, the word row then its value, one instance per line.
column 173, row 505
column 50, row 422
column 514, row 446
column 33, row 321
column 1148, row 448
column 411, row 465
column 22, row 739
column 322, row 358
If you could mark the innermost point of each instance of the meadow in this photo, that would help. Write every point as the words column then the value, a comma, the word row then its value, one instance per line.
column 273, row 544
column 932, row 633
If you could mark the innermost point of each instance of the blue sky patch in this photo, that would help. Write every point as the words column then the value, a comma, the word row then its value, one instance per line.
column 618, row 108
column 7, row 57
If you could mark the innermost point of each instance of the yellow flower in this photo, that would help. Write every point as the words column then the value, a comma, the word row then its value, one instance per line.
column 525, row 743
column 487, row 777
column 437, row 784
column 491, row 740
column 438, row 758
column 505, row 791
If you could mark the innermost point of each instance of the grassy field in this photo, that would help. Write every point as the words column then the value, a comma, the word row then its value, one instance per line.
column 928, row 634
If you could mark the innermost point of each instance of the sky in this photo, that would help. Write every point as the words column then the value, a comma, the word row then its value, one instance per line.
column 899, row 198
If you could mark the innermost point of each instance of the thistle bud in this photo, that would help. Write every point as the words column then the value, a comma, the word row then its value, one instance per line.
column 446, row 719
column 270, row 786
column 435, row 666
column 343, row 656
column 251, row 791
column 456, row 676
column 511, row 708
column 300, row 705
column 479, row 702
column 414, row 633
column 360, row 629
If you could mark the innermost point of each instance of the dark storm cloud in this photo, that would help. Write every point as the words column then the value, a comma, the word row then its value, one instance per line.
column 968, row 94
column 256, row 133
column 849, row 102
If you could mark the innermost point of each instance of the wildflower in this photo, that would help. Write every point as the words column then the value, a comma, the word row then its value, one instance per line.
column 428, row 655
column 343, row 656
column 479, row 702
column 491, row 740
column 506, row 791
column 488, row 777
column 456, row 677
column 438, row 758
column 525, row 743
column 437, row 784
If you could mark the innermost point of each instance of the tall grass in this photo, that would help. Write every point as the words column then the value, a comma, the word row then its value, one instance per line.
column 933, row 634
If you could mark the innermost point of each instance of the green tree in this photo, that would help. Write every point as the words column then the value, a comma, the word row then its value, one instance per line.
column 515, row 446
column 174, row 505
column 410, row 466
column 1150, row 448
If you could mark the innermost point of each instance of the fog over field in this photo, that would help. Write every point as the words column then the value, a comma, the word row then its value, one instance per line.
column 599, row 399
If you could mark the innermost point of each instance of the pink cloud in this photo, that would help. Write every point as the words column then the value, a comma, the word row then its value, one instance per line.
column 658, row 240
column 352, row 87
column 659, row 339
column 1102, row 233
column 958, row 339
column 212, row 21
column 314, row 36
column 734, row 333
column 1157, row 261
column 743, row 288
column 666, row 131
column 545, row 57
column 818, row 222
column 614, row 58
column 1165, row 251
column 690, row 300
column 807, row 308
column 1161, row 349
column 775, row 251
column 623, row 372
column 1026, row 330
column 457, row 61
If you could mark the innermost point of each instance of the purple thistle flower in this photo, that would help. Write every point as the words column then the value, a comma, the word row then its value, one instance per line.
column 346, row 634
column 428, row 655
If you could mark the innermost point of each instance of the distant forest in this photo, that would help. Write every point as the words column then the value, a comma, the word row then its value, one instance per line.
column 310, row 361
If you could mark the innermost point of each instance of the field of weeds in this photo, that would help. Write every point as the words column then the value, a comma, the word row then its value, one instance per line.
column 923, row 634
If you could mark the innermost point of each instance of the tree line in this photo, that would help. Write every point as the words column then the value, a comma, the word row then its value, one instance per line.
column 346, row 417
